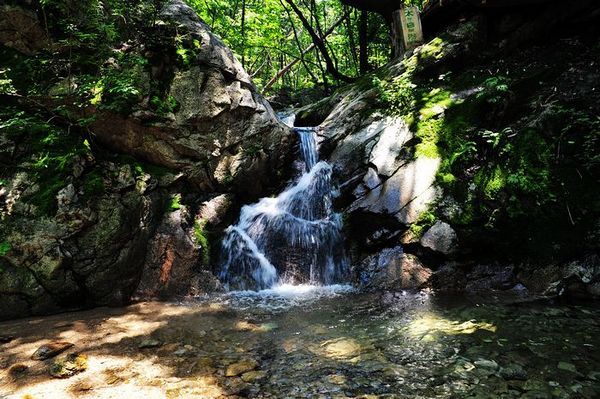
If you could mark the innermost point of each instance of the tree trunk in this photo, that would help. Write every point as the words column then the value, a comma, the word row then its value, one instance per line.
column 396, row 34
column 319, row 44
column 243, row 33
column 289, row 66
column 363, row 41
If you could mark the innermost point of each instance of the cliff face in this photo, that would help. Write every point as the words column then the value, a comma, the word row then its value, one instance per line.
column 116, row 174
column 477, row 150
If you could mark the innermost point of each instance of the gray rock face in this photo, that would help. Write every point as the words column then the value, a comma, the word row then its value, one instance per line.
column 406, row 194
column 224, row 133
column 392, row 269
column 89, row 253
column 173, row 262
column 383, row 184
column 440, row 238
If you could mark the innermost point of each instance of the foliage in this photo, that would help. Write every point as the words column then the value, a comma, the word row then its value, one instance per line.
column 200, row 238
column 424, row 222
column 508, row 156
column 270, row 37
column 47, row 149
column 5, row 248
column 175, row 202
column 121, row 85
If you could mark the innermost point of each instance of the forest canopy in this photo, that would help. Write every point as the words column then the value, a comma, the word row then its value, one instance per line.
column 269, row 35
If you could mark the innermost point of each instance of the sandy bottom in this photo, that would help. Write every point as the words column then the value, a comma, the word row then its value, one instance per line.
column 117, row 367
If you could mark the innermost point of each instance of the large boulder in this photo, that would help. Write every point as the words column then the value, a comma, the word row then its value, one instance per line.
column 441, row 238
column 88, row 236
column 392, row 269
column 89, row 252
column 223, row 134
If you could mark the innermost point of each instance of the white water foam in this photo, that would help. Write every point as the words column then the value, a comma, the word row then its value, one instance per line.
column 293, row 238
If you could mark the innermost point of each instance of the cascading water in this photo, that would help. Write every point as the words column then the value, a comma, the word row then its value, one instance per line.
column 292, row 238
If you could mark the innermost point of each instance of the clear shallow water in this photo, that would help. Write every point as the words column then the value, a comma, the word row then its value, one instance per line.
column 337, row 342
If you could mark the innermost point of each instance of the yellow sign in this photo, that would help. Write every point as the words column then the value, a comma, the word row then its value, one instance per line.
column 411, row 27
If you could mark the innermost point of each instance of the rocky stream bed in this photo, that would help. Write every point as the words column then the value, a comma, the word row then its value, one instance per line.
column 308, row 342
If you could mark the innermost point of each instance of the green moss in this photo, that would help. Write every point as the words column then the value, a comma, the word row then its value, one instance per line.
column 433, row 49
column 5, row 248
column 200, row 238
column 174, row 202
column 425, row 221
column 429, row 133
column 435, row 102
column 93, row 185
column 162, row 105
column 447, row 179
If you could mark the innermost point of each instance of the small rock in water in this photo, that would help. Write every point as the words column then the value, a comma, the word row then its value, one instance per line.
column 268, row 326
column 50, row 350
column 567, row 367
column 17, row 370
column 70, row 365
column 513, row 372
column 180, row 352
column 486, row 364
column 241, row 367
column 534, row 385
column 149, row 343
column 252, row 376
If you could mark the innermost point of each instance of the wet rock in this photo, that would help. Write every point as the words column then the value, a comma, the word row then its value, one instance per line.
column 50, row 350
column 405, row 195
column 393, row 269
column 440, row 238
column 149, row 343
column 513, row 372
column 567, row 367
column 342, row 348
column 171, row 263
column 252, row 376
column 18, row 370
column 241, row 367
column 68, row 366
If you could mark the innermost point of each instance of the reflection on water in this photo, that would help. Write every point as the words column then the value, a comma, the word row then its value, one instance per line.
column 335, row 342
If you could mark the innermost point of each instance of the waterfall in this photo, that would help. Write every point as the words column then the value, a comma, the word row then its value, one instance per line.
column 292, row 238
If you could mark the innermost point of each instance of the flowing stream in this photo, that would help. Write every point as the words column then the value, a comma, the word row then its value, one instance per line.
column 292, row 238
